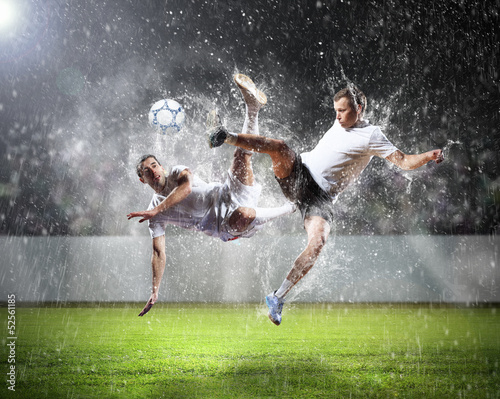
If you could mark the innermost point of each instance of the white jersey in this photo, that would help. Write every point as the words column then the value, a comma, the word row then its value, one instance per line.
column 206, row 209
column 342, row 154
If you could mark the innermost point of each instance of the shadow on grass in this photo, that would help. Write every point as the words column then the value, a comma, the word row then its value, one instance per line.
column 275, row 378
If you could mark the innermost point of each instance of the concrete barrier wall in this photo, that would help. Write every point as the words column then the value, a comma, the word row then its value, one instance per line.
column 203, row 269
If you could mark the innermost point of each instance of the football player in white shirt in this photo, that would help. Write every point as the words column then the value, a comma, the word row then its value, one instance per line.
column 225, row 210
column 313, row 180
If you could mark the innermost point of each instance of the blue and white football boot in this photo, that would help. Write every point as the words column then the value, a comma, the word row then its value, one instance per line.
column 275, row 306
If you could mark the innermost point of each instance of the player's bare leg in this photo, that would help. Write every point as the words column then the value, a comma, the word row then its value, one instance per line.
column 281, row 155
column 241, row 167
column 318, row 230
column 244, row 217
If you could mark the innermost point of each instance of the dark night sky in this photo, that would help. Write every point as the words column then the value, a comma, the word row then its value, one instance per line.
column 77, row 79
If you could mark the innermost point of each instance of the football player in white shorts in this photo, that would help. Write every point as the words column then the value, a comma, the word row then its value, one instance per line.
column 225, row 210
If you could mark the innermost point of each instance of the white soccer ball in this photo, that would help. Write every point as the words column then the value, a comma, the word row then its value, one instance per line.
column 167, row 116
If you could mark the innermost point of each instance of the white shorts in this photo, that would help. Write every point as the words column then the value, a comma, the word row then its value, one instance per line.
column 208, row 209
column 235, row 194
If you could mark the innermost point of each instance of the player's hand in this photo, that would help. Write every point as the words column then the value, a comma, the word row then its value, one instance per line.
column 149, row 304
column 437, row 156
column 145, row 215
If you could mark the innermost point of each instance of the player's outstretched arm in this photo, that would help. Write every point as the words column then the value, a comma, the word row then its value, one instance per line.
column 414, row 161
column 181, row 191
column 158, row 261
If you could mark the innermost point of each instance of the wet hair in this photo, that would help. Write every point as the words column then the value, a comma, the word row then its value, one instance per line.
column 138, row 166
column 354, row 95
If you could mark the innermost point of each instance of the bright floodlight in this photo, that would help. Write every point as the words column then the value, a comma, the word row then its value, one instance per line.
column 7, row 14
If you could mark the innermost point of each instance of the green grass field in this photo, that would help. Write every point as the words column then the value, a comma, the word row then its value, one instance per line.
column 234, row 351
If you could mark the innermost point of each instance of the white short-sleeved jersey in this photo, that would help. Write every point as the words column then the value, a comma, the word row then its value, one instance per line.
column 342, row 154
column 207, row 208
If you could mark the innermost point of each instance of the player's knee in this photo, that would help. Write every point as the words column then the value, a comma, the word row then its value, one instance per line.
column 319, row 241
column 241, row 219
column 318, row 230
column 281, row 146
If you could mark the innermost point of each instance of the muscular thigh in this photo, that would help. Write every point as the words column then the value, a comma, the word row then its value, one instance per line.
column 317, row 228
column 283, row 162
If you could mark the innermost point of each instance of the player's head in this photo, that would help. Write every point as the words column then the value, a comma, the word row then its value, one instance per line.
column 151, row 172
column 350, row 105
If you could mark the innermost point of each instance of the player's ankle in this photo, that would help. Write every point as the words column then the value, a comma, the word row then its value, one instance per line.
column 231, row 138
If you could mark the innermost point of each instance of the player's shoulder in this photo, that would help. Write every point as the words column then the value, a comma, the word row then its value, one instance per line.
column 368, row 128
column 366, row 125
column 177, row 169
column 363, row 130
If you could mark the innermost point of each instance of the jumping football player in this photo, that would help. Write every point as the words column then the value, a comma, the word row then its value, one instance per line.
column 314, row 180
column 225, row 210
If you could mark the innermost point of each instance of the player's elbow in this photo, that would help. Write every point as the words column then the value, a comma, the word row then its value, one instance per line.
column 188, row 189
column 401, row 160
column 412, row 162
column 406, row 166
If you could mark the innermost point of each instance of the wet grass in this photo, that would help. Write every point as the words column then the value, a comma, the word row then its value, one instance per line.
column 234, row 351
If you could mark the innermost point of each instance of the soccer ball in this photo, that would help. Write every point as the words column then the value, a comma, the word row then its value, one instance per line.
column 167, row 116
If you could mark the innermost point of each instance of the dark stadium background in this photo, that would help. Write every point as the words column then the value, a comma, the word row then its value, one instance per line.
column 77, row 79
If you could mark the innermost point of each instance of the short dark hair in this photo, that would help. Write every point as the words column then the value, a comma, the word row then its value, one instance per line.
column 138, row 166
column 354, row 95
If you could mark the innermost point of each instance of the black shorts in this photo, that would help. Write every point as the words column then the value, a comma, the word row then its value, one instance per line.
column 301, row 189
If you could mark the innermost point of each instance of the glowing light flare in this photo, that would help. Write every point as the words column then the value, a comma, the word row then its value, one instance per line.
column 8, row 15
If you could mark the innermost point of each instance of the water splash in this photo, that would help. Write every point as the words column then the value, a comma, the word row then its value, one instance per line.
column 449, row 144
column 410, row 181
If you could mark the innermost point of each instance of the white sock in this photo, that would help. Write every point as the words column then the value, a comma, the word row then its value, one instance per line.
column 264, row 215
column 251, row 124
column 283, row 290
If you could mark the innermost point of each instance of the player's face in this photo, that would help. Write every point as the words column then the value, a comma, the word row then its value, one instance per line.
column 153, row 174
column 346, row 116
